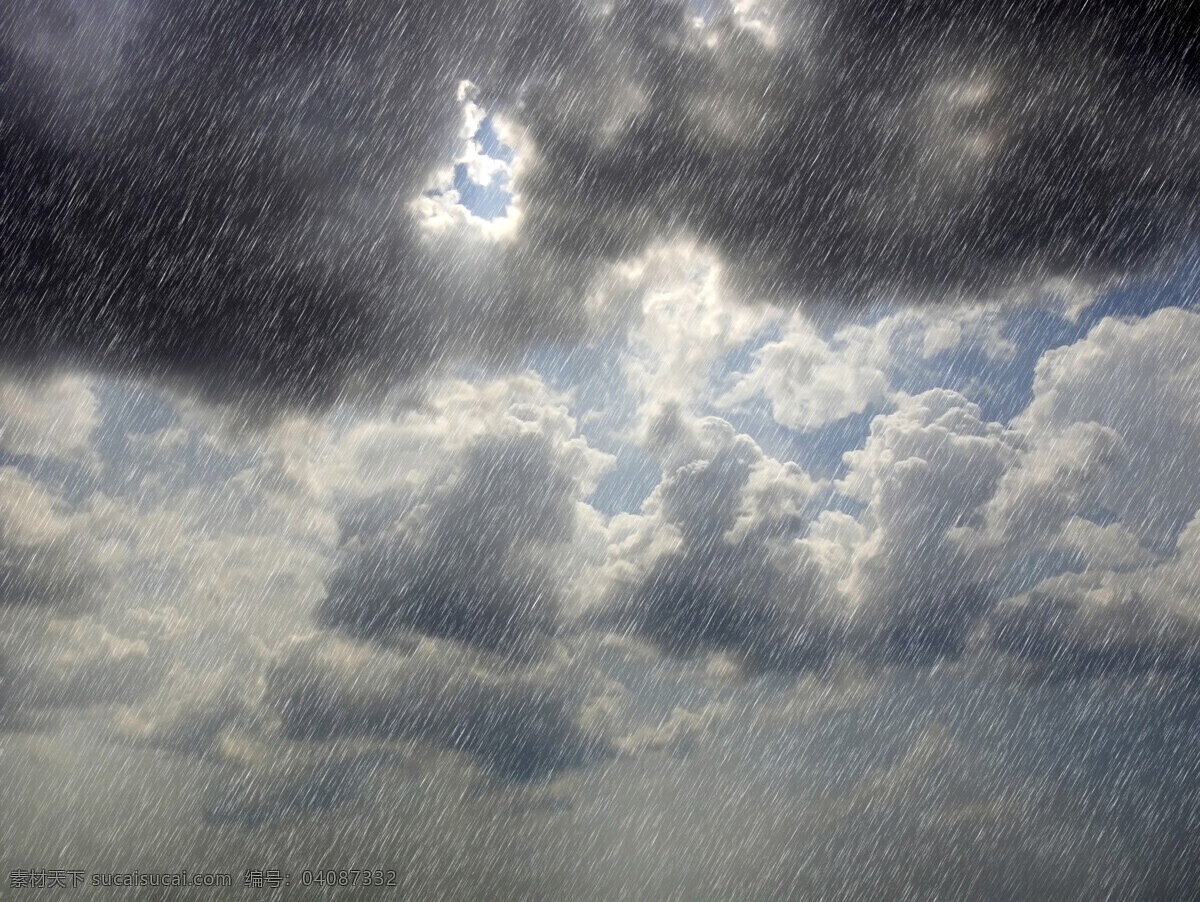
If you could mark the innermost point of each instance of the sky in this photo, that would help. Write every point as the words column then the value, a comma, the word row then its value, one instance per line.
column 562, row 449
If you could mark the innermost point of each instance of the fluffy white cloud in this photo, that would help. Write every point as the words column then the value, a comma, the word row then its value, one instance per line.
column 1141, row 380
column 1054, row 480
column 925, row 475
column 50, row 555
column 811, row 381
column 1085, row 492
column 49, row 417
column 677, row 318
column 403, row 450
column 1109, row 478
column 440, row 211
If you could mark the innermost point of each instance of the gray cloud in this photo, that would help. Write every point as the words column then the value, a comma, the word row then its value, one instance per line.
column 51, row 667
column 713, row 563
column 1107, row 620
column 49, row 556
column 518, row 725
column 195, row 713
column 462, row 561
column 1063, row 635
column 252, row 802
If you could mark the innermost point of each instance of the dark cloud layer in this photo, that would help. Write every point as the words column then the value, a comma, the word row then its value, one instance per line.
column 1060, row 638
column 927, row 149
column 517, row 726
column 215, row 193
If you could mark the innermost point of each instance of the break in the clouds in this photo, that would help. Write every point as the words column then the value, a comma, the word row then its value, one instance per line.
column 603, row 450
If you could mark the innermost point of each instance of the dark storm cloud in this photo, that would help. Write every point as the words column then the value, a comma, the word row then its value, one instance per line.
column 859, row 149
column 517, row 725
column 461, row 563
column 214, row 193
